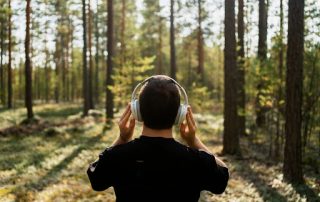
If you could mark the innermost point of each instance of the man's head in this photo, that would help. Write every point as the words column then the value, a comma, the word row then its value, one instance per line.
column 159, row 102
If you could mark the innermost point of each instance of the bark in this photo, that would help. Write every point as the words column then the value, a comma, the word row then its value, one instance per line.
column 28, row 68
column 46, row 67
column 231, row 137
column 262, row 55
column 173, row 65
column 200, row 42
column 123, row 29
column 292, row 169
column 2, row 87
column 90, row 89
column 160, row 68
column 84, row 61
column 109, row 80
column 9, row 62
column 280, row 95
column 96, row 87
column 241, row 71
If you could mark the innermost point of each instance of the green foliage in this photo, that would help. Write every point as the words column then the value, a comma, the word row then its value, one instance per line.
column 199, row 97
column 127, row 77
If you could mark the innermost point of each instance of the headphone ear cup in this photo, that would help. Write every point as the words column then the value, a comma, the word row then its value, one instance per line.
column 139, row 117
column 181, row 115
column 135, row 110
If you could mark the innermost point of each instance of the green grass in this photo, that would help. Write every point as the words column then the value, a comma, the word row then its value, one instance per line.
column 43, row 167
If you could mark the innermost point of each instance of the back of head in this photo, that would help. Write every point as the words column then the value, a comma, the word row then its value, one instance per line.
column 159, row 102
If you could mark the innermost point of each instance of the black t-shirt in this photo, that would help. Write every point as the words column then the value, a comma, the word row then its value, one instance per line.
column 157, row 169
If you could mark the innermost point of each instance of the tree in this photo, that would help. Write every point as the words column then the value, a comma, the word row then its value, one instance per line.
column 241, row 71
column 280, row 89
column 90, row 88
column 292, row 169
column 9, row 62
column 200, row 41
column 97, row 39
column 173, row 65
column 84, row 60
column 262, row 56
column 2, row 40
column 28, row 68
column 109, row 80
column 230, row 136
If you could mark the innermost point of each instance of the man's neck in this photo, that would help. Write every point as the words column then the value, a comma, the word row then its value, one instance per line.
column 149, row 132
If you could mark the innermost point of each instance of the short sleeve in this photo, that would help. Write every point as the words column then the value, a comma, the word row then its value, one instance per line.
column 100, row 172
column 212, row 177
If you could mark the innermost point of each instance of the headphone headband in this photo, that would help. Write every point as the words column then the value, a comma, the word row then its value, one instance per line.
column 181, row 89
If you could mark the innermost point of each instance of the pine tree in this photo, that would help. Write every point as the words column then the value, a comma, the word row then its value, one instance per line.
column 230, row 135
column 173, row 65
column 241, row 71
column 28, row 67
column 292, row 169
column 109, row 80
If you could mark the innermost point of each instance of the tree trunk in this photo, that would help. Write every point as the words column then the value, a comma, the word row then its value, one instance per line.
column 280, row 95
column 160, row 68
column 241, row 71
column 96, row 87
column 46, row 68
column 109, row 80
column 9, row 62
column 173, row 64
column 292, row 169
column 200, row 43
column 123, row 28
column 262, row 44
column 231, row 137
column 262, row 55
column 90, row 89
column 2, row 88
column 28, row 68
column 84, row 61
column 57, row 70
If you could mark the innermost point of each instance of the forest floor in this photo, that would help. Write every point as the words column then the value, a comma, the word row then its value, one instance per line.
column 47, row 160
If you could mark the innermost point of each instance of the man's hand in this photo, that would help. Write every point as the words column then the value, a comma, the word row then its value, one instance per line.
column 126, row 127
column 188, row 130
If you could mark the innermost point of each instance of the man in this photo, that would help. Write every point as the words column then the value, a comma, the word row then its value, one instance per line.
column 155, row 167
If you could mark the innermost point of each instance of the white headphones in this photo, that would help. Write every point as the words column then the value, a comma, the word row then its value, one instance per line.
column 135, row 107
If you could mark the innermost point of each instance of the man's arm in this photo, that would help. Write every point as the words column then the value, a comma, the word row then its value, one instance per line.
column 213, row 173
column 188, row 133
column 198, row 144
column 100, row 172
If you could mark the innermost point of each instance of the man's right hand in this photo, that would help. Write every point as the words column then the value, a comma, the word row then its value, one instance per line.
column 188, row 130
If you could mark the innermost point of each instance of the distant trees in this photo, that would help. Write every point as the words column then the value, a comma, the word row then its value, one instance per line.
column 28, row 67
column 231, row 133
column 292, row 168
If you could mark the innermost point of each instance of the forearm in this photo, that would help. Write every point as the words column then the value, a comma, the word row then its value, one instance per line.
column 198, row 144
column 120, row 141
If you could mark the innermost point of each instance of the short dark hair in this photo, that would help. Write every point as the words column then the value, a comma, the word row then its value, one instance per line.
column 159, row 102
